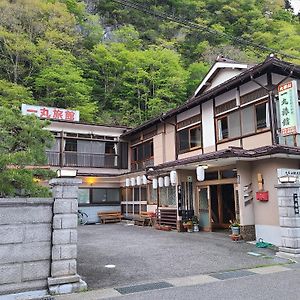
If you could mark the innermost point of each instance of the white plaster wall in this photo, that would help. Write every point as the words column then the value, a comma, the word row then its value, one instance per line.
column 226, row 97
column 276, row 78
column 223, row 76
column 208, row 127
column 189, row 113
column 252, row 86
column 268, row 233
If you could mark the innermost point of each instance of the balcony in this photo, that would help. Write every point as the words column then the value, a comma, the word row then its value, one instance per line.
column 75, row 159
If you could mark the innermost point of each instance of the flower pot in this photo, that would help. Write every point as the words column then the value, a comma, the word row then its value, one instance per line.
column 196, row 228
column 235, row 230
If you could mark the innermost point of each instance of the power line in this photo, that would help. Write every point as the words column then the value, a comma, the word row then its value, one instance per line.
column 194, row 26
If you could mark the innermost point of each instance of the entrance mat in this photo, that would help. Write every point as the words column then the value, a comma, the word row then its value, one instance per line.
column 232, row 274
column 143, row 287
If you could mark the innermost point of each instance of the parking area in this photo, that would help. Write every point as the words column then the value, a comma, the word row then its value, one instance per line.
column 142, row 254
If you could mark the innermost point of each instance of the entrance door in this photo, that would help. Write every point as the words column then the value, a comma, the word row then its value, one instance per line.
column 204, row 209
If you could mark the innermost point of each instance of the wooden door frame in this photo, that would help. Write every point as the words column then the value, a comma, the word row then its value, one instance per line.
column 197, row 206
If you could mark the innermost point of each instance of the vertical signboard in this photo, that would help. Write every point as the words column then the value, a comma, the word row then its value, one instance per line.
column 289, row 108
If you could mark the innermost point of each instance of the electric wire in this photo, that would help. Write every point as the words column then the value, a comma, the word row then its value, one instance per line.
column 203, row 28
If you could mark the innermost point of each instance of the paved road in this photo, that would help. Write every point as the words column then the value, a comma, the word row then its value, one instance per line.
column 143, row 254
column 272, row 282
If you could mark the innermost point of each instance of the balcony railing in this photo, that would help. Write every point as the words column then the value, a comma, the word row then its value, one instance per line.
column 141, row 165
column 75, row 159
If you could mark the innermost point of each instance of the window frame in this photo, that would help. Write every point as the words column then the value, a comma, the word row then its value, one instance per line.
column 135, row 148
column 92, row 203
column 256, row 130
column 189, row 128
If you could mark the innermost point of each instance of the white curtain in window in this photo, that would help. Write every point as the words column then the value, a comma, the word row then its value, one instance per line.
column 220, row 130
column 267, row 115
column 83, row 153
column 98, row 157
column 234, row 128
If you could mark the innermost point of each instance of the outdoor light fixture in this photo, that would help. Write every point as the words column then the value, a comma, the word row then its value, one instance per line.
column 132, row 181
column 200, row 173
column 138, row 180
column 144, row 179
column 173, row 177
column 154, row 183
column 166, row 181
column 127, row 182
column 160, row 182
column 66, row 173
column 287, row 179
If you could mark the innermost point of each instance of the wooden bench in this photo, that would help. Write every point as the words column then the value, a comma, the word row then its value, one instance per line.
column 110, row 216
column 143, row 219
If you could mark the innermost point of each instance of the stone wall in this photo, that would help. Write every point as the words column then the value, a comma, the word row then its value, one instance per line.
column 25, row 244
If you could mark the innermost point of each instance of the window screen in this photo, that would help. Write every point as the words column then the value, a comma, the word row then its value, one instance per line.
column 223, row 128
column 261, row 116
column 234, row 125
column 195, row 136
column 105, row 196
column 248, row 124
column 183, row 137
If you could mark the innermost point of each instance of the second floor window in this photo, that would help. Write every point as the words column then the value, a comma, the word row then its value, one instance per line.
column 249, row 120
column 142, row 151
column 189, row 138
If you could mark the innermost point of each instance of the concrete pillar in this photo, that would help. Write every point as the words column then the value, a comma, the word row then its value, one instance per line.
column 64, row 277
column 289, row 219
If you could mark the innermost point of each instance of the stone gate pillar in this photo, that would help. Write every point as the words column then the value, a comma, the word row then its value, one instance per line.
column 64, row 277
column 289, row 217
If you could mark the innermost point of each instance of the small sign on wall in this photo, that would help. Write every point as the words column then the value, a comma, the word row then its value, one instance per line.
column 262, row 196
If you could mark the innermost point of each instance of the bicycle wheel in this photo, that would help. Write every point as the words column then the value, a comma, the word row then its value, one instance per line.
column 84, row 218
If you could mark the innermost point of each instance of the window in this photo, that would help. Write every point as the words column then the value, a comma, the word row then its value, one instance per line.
column 189, row 138
column 248, row 125
column 223, row 128
column 261, row 116
column 71, row 145
column 142, row 151
column 104, row 196
column 167, row 196
column 234, row 125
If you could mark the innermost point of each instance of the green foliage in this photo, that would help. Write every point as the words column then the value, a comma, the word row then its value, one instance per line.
column 23, row 141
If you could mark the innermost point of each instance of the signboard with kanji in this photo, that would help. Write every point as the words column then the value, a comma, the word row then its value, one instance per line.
column 289, row 108
column 52, row 113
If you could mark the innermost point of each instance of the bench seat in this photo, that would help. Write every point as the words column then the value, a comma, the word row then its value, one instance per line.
column 110, row 216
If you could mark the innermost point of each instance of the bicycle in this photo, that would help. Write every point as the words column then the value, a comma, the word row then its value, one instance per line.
column 82, row 217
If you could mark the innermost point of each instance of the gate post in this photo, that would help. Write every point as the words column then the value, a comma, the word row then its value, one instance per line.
column 289, row 219
column 64, row 277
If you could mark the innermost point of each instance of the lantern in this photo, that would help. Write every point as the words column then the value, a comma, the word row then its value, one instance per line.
column 138, row 180
column 160, row 182
column 166, row 181
column 200, row 173
column 144, row 179
column 132, row 180
column 127, row 182
column 173, row 177
column 154, row 183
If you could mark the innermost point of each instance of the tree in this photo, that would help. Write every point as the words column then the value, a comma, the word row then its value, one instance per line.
column 23, row 141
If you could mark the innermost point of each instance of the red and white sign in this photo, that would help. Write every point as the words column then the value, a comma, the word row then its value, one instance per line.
column 52, row 113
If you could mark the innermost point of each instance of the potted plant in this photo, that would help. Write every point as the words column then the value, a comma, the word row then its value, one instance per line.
column 195, row 224
column 235, row 227
column 189, row 225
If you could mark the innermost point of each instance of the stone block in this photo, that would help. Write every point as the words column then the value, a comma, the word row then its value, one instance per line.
column 37, row 233
column 10, row 273
column 289, row 221
column 63, row 279
column 64, row 252
column 36, row 270
column 64, row 221
column 65, row 206
column 63, row 267
column 290, row 242
column 14, row 253
column 286, row 202
column 64, row 236
column 68, row 288
column 23, row 286
column 290, row 232
column 25, row 215
column 11, row 234
column 286, row 212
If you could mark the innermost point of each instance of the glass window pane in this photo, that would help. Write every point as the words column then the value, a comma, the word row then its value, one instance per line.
column 140, row 153
column 248, row 123
column 136, row 194
column 234, row 125
column 83, row 196
column 223, row 128
column 99, row 196
column 113, row 196
column 261, row 116
column 147, row 150
column 71, row 145
column 153, row 195
column 195, row 135
column 183, row 138
column 134, row 154
column 144, row 193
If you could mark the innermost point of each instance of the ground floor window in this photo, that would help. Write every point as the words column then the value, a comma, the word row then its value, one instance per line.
column 167, row 196
column 101, row 196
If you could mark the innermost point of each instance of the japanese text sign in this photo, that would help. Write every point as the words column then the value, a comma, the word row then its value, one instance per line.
column 288, row 108
column 51, row 113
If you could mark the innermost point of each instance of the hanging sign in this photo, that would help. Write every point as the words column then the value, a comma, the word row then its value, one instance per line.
column 52, row 113
column 288, row 106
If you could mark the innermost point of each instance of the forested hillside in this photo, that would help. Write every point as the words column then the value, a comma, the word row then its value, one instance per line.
column 118, row 65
